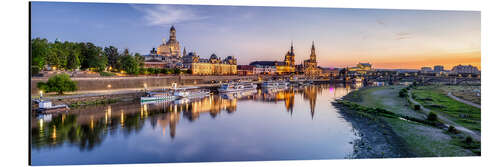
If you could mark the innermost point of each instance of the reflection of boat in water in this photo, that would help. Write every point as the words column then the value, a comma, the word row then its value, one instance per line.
column 46, row 107
column 238, row 94
column 238, row 86
column 275, row 84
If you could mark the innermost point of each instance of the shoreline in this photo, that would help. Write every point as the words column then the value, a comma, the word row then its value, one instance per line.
column 388, row 123
column 376, row 138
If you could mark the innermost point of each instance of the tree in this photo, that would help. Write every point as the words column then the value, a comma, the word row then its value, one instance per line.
column 112, row 55
column 128, row 64
column 58, row 83
column 139, row 59
column 93, row 57
column 40, row 50
column 73, row 57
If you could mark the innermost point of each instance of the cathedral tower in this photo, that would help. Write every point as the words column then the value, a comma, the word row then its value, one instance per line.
column 313, row 54
column 172, row 33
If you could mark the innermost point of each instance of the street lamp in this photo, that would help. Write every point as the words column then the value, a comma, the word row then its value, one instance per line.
column 41, row 93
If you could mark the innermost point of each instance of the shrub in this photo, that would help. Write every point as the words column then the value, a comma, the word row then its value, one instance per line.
column 35, row 70
column 432, row 117
column 58, row 83
column 177, row 71
column 416, row 107
column 452, row 129
column 468, row 140
column 143, row 71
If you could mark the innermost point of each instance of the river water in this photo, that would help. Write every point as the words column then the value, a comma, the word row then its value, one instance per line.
column 293, row 124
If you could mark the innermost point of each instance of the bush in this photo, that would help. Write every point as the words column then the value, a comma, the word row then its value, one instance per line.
column 177, row 71
column 416, row 107
column 468, row 140
column 452, row 129
column 403, row 92
column 35, row 70
column 143, row 71
column 58, row 83
column 432, row 117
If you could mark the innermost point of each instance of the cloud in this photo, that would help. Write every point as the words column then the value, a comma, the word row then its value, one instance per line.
column 166, row 15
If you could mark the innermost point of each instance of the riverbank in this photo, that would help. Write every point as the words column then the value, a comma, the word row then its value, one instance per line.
column 414, row 136
column 375, row 138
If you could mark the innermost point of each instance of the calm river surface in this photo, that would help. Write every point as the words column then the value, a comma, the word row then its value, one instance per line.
column 293, row 124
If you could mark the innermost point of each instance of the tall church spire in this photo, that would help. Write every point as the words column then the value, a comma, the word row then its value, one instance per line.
column 184, row 52
column 313, row 53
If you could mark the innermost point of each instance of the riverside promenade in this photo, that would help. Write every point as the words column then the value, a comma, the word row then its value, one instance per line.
column 88, row 85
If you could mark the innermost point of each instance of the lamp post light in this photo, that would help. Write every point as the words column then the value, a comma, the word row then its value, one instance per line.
column 41, row 93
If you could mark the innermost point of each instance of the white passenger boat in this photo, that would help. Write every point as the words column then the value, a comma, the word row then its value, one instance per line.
column 238, row 86
column 190, row 92
column 275, row 84
column 46, row 107
column 158, row 96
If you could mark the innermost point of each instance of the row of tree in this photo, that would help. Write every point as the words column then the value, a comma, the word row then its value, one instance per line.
column 80, row 55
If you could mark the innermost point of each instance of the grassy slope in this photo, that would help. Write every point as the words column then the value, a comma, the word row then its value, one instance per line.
column 436, row 99
column 423, row 140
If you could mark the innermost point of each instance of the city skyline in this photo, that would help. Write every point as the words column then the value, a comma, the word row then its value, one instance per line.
column 389, row 39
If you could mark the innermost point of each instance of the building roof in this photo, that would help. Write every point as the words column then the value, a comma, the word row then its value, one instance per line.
column 365, row 64
column 263, row 63
column 245, row 67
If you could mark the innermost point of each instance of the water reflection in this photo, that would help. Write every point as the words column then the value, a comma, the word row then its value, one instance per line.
column 87, row 128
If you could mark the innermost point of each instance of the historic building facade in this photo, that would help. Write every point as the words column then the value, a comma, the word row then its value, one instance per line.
column 171, row 47
column 167, row 55
column 213, row 66
column 362, row 68
column 310, row 65
column 288, row 65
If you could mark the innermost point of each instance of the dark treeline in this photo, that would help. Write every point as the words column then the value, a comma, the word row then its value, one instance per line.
column 82, row 55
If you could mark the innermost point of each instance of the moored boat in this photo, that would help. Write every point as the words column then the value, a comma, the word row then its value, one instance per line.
column 275, row 84
column 46, row 107
column 238, row 86
column 158, row 96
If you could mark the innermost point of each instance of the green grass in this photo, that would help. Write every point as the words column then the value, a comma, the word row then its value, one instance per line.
column 421, row 136
column 435, row 99
column 426, row 141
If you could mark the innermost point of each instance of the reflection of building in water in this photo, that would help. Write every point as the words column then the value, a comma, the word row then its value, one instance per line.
column 213, row 105
column 274, row 96
column 169, row 119
column 311, row 93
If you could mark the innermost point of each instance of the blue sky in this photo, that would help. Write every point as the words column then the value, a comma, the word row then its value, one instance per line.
column 342, row 36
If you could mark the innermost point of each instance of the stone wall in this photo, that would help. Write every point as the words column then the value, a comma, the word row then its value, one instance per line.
column 110, row 83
